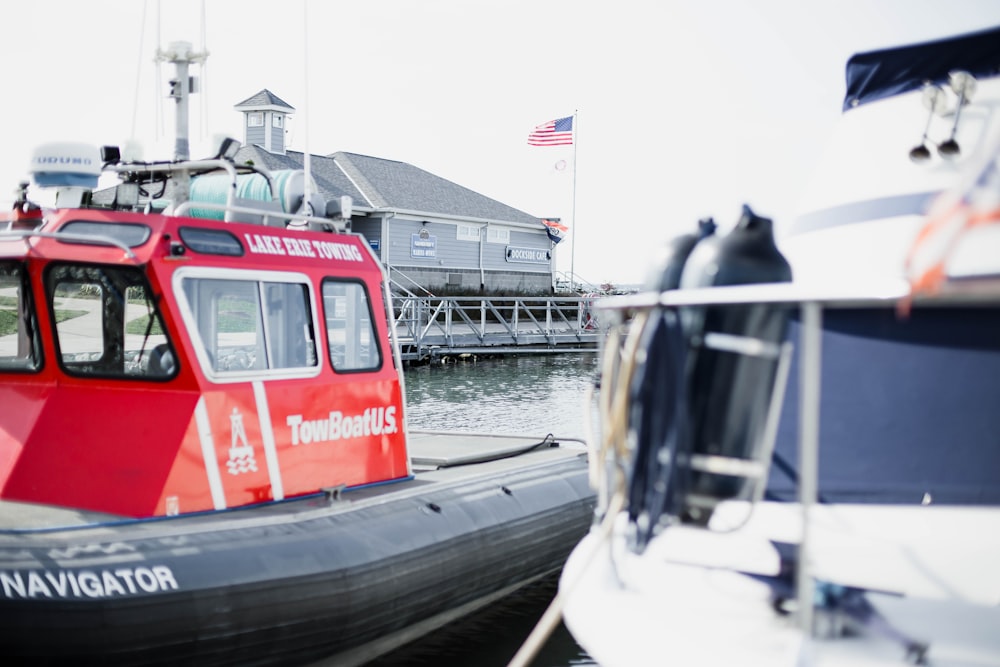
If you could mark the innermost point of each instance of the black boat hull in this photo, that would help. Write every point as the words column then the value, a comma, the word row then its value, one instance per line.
column 341, row 579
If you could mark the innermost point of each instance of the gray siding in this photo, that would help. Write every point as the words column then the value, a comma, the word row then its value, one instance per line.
column 436, row 280
column 277, row 135
column 372, row 230
column 255, row 135
column 495, row 254
column 455, row 264
column 449, row 251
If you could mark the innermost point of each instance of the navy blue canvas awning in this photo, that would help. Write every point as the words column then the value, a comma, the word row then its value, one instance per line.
column 878, row 74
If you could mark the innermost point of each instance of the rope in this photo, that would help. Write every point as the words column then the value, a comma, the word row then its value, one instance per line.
column 553, row 613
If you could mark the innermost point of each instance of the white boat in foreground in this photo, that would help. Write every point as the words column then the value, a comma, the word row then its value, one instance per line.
column 806, row 469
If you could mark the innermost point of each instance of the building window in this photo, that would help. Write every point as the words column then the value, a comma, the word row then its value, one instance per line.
column 350, row 331
column 277, row 120
column 468, row 233
column 497, row 235
column 260, row 326
column 255, row 119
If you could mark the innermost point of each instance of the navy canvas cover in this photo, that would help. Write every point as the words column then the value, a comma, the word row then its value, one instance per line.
column 908, row 409
column 878, row 74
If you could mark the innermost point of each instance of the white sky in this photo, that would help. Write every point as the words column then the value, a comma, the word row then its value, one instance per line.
column 686, row 109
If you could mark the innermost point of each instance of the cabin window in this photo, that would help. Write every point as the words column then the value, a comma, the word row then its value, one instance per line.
column 211, row 241
column 20, row 349
column 107, row 323
column 131, row 234
column 277, row 120
column 255, row 119
column 350, row 331
column 252, row 325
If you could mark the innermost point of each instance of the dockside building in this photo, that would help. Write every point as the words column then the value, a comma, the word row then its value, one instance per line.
column 429, row 232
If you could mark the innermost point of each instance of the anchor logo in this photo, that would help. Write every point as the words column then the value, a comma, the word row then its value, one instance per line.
column 241, row 457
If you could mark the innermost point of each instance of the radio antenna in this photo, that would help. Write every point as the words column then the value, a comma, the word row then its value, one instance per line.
column 158, row 132
column 138, row 69
column 306, row 158
column 203, row 88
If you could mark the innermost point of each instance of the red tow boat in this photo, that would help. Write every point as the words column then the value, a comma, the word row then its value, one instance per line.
column 203, row 446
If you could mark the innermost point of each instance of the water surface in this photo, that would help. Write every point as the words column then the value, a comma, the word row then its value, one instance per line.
column 528, row 394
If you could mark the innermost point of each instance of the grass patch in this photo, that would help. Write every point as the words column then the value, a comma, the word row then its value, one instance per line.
column 236, row 322
column 8, row 322
column 63, row 315
column 237, row 314
column 9, row 319
column 139, row 324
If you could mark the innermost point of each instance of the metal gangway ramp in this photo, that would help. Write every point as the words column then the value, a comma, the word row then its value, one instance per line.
column 433, row 327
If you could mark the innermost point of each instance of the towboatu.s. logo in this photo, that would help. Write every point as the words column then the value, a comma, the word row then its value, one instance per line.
column 241, row 458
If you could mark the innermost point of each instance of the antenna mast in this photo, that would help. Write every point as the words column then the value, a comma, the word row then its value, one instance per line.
column 181, row 87
column 306, row 157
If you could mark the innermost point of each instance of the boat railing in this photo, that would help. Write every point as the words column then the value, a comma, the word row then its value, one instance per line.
column 90, row 239
column 186, row 167
column 267, row 211
column 810, row 302
column 283, row 219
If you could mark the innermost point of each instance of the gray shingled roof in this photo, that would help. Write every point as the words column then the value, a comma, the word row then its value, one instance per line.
column 399, row 185
column 330, row 180
column 388, row 184
column 264, row 98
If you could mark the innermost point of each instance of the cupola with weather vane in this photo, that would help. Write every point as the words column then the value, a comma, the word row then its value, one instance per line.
column 264, row 118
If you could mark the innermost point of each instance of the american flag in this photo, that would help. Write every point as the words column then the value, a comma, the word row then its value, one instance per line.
column 558, row 132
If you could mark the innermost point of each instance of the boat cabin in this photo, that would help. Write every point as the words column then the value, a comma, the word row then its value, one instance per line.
column 158, row 363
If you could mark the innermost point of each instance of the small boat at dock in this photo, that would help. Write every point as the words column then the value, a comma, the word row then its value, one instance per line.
column 204, row 451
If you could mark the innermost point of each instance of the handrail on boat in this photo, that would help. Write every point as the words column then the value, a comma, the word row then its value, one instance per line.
column 964, row 290
column 188, row 166
column 99, row 239
column 810, row 301
column 184, row 208
column 230, row 207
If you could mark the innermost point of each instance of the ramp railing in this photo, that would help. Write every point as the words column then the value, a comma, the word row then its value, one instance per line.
column 427, row 326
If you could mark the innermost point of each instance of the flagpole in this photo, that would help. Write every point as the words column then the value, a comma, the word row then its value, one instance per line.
column 572, row 217
column 553, row 133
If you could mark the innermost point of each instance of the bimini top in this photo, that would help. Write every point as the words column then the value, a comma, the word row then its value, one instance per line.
column 878, row 74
